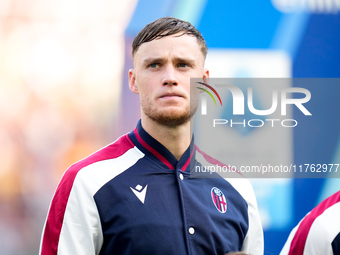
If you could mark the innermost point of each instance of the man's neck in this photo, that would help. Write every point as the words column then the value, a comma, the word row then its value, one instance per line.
column 175, row 139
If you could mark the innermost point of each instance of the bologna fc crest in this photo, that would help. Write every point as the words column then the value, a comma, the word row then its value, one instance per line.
column 219, row 200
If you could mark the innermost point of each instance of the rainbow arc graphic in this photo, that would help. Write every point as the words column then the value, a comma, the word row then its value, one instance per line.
column 209, row 93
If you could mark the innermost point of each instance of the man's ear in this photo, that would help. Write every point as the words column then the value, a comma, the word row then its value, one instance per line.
column 132, row 81
column 206, row 75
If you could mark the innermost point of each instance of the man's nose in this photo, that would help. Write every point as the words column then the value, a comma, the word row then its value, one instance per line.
column 170, row 76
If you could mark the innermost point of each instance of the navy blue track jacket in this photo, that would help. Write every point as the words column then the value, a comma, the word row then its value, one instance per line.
column 135, row 197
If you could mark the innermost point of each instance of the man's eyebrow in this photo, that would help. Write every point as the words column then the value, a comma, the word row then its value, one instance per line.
column 153, row 60
column 185, row 60
column 162, row 60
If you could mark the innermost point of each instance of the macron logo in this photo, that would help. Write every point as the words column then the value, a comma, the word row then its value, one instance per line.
column 140, row 192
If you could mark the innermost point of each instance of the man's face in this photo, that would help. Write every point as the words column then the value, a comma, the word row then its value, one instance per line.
column 161, row 77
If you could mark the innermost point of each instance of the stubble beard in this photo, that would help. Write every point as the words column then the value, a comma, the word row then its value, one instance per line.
column 169, row 117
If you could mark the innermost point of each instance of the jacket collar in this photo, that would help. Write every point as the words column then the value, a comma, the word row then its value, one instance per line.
column 159, row 153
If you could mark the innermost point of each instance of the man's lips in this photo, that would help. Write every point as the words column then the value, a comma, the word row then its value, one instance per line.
column 170, row 95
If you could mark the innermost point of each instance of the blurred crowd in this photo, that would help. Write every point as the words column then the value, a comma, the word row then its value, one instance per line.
column 61, row 66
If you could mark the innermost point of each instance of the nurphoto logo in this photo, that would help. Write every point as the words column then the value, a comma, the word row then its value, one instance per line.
column 280, row 99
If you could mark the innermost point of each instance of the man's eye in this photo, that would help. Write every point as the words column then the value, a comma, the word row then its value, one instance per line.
column 154, row 65
column 182, row 65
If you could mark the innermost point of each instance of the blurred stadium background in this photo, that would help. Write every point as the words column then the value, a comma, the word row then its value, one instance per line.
column 64, row 95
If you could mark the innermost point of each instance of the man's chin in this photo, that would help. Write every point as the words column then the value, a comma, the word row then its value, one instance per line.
column 171, row 119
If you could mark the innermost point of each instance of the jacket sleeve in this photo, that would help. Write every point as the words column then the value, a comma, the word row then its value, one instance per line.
column 73, row 224
column 318, row 232
column 253, row 242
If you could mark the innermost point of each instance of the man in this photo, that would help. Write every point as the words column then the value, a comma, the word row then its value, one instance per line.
column 318, row 233
column 136, row 196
